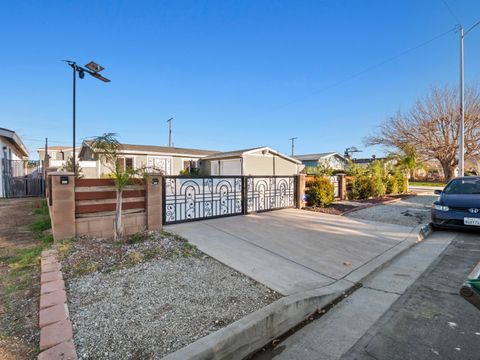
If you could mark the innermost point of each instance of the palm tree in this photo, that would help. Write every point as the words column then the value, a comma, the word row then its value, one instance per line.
column 107, row 149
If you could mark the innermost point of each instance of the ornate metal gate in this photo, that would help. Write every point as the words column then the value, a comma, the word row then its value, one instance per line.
column 265, row 193
column 190, row 198
column 196, row 198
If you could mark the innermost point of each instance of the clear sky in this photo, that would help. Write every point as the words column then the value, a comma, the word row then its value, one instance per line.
column 233, row 74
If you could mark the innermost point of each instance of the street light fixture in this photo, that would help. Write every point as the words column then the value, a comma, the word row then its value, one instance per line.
column 93, row 69
column 461, row 145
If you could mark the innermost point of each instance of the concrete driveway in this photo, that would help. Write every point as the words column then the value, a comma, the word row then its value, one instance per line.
column 292, row 250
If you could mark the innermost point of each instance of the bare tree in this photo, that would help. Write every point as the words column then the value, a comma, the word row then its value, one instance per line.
column 432, row 128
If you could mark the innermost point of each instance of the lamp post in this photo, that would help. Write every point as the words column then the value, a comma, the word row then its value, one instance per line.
column 93, row 69
column 461, row 145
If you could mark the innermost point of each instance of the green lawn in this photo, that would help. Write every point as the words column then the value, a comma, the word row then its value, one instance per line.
column 424, row 183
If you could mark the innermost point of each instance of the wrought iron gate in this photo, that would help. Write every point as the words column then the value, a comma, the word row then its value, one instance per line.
column 190, row 198
column 21, row 178
column 265, row 193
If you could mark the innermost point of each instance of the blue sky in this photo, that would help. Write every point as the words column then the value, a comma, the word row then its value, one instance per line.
column 233, row 74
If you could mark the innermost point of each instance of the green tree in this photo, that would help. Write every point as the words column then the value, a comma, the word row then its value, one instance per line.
column 69, row 168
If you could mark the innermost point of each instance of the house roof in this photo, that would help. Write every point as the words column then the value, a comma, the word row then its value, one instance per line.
column 367, row 160
column 15, row 140
column 57, row 148
column 317, row 157
column 241, row 153
column 153, row 149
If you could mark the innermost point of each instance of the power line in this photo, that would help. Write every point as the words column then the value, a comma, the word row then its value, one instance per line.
column 373, row 67
column 450, row 10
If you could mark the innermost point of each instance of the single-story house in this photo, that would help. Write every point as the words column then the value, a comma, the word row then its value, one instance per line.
column 168, row 160
column 333, row 160
column 257, row 161
column 13, row 154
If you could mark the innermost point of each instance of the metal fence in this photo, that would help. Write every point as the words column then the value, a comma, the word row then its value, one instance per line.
column 190, row 198
column 22, row 178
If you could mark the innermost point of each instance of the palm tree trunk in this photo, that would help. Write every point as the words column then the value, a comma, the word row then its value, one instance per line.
column 118, row 233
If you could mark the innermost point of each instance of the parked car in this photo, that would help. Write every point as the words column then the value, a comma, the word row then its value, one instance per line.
column 458, row 205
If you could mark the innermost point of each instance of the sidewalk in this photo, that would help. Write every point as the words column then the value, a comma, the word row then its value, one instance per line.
column 431, row 320
column 338, row 330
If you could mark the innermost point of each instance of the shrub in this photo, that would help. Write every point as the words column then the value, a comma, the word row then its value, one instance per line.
column 365, row 187
column 402, row 183
column 378, row 186
column 392, row 185
column 321, row 192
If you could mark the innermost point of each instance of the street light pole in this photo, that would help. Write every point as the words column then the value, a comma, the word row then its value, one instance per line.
column 74, row 114
column 94, row 70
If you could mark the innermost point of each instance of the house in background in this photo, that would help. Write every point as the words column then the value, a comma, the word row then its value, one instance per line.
column 57, row 155
column 13, row 155
column 333, row 160
column 168, row 160
column 261, row 161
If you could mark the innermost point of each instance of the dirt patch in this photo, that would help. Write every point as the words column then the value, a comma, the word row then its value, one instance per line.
column 87, row 254
column 20, row 246
column 345, row 208
column 150, row 295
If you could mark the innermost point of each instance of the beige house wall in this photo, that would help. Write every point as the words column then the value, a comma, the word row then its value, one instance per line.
column 257, row 165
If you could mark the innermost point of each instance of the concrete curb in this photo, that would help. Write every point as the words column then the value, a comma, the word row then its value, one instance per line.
column 249, row 334
column 56, row 334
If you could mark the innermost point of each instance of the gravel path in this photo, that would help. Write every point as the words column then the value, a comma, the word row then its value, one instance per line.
column 157, row 307
column 411, row 211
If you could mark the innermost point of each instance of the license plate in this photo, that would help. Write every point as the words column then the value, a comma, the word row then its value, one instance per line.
column 471, row 221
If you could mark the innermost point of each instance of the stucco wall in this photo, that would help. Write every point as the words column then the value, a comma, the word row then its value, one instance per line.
column 285, row 167
column 258, row 164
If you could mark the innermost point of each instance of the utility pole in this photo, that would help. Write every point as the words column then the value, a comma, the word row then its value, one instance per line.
column 169, row 121
column 293, row 144
column 461, row 145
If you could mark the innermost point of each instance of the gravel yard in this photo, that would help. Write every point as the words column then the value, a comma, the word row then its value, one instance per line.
column 153, row 308
column 411, row 211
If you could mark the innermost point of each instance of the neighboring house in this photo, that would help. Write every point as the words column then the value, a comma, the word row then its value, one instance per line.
column 333, row 160
column 168, row 160
column 364, row 162
column 261, row 161
column 13, row 154
column 57, row 155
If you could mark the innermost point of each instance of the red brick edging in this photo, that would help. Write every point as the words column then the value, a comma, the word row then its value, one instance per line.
column 56, row 334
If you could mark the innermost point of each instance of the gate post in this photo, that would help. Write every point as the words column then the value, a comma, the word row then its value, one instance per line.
column 299, row 190
column 342, row 187
column 62, row 211
column 154, row 201
column 244, row 195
